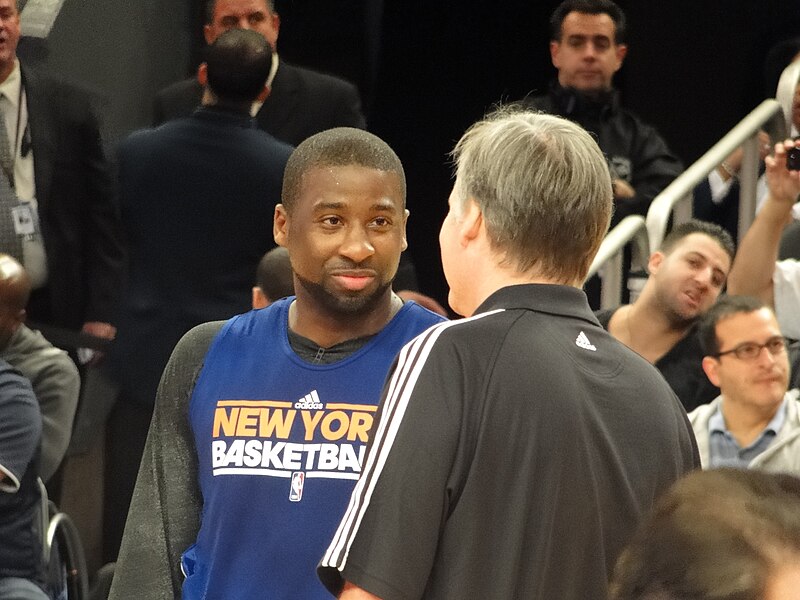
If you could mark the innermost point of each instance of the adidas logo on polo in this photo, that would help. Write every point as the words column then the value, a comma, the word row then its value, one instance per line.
column 583, row 342
column 309, row 402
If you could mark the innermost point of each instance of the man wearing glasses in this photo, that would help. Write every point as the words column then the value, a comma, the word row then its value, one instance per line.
column 755, row 422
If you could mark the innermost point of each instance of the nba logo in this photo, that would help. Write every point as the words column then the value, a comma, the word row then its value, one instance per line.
column 296, row 491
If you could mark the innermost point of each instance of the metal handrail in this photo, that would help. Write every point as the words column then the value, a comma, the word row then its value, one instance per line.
column 774, row 116
column 677, row 196
column 608, row 260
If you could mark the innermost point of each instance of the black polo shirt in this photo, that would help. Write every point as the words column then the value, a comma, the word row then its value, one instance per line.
column 514, row 455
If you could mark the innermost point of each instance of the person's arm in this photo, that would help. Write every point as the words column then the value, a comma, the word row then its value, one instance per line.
column 20, row 428
column 57, row 386
column 102, row 231
column 653, row 166
column 353, row 592
column 164, row 516
column 753, row 267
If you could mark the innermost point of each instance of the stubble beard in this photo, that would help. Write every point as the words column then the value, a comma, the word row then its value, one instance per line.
column 342, row 304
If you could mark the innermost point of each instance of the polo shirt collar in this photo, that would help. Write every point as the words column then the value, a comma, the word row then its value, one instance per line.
column 554, row 299
column 716, row 423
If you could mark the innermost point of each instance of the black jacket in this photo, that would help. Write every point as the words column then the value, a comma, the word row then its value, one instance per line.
column 635, row 151
column 301, row 103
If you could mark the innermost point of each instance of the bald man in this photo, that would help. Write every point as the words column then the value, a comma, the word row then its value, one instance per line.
column 52, row 374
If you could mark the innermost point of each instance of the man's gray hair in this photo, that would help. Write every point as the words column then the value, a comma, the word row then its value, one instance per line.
column 544, row 189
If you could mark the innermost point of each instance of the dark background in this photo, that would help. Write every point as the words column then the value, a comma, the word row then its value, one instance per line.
column 428, row 69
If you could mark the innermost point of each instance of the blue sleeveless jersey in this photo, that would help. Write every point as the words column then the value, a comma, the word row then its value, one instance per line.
column 280, row 444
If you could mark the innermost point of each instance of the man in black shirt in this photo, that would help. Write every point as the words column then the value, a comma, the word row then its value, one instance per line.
column 515, row 450
column 687, row 275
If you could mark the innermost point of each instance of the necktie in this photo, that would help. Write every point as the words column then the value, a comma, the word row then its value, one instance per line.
column 10, row 242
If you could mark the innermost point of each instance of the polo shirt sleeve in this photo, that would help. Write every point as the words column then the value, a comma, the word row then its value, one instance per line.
column 20, row 428
column 786, row 286
column 388, row 537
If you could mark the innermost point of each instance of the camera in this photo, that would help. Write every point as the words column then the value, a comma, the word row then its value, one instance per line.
column 793, row 159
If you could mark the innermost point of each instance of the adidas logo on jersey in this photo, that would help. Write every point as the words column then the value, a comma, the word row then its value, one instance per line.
column 309, row 402
column 583, row 342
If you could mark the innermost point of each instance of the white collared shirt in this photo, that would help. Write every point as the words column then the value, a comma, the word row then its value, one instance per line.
column 23, row 165
column 15, row 111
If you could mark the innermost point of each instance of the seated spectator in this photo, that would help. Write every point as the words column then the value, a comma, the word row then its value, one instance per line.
column 687, row 275
column 274, row 279
column 726, row 534
column 756, row 272
column 52, row 373
column 21, row 574
column 755, row 422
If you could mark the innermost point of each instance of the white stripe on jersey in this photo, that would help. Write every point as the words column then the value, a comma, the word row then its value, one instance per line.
column 411, row 360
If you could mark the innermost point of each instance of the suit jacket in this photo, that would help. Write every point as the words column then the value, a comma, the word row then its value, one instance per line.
column 301, row 103
column 77, row 209
column 198, row 196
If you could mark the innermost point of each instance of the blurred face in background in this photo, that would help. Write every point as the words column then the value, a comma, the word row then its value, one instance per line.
column 587, row 55
column 243, row 14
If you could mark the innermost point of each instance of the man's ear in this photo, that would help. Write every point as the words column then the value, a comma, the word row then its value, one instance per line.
column 555, row 47
column 654, row 262
column 471, row 224
column 202, row 74
column 259, row 300
column 405, row 222
column 280, row 225
column 208, row 34
column 621, row 52
column 711, row 366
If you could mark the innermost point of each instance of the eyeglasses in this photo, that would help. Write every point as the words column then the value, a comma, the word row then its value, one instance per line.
column 751, row 350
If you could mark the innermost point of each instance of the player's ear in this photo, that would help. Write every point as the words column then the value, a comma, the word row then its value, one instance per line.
column 280, row 225
column 405, row 222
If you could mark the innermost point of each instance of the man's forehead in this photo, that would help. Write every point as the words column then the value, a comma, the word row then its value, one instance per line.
column 701, row 243
column 335, row 175
column 228, row 7
column 588, row 25
column 741, row 324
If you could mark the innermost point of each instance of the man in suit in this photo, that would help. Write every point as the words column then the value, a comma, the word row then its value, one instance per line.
column 301, row 102
column 59, row 218
column 197, row 196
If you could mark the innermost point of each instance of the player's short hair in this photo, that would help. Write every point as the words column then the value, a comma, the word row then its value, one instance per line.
column 339, row 147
